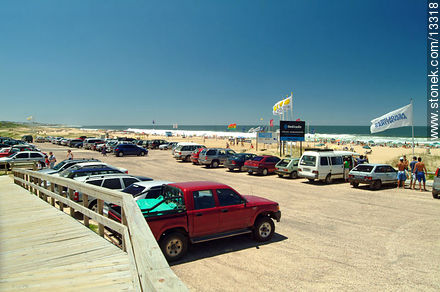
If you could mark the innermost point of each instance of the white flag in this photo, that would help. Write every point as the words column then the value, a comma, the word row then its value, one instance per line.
column 401, row 117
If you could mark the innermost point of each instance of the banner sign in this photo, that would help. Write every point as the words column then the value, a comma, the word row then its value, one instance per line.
column 267, row 137
column 292, row 130
column 399, row 118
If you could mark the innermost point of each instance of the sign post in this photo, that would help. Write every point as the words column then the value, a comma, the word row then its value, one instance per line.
column 292, row 131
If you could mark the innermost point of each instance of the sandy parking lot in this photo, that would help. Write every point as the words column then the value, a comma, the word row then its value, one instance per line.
column 331, row 237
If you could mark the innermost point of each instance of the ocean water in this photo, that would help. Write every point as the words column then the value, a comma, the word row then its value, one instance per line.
column 349, row 133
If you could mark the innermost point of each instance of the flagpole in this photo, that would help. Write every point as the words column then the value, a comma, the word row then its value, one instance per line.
column 412, row 125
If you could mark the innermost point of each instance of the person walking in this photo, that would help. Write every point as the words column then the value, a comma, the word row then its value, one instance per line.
column 69, row 154
column 104, row 151
column 401, row 175
column 420, row 170
column 412, row 164
column 52, row 160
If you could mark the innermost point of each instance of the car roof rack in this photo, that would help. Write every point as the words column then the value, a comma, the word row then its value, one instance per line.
column 318, row 149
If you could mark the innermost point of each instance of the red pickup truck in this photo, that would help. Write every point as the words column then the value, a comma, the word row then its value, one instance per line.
column 193, row 212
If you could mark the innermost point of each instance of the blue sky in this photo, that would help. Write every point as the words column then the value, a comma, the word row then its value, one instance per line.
column 210, row 62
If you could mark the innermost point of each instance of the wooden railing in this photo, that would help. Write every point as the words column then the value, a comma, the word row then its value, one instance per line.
column 7, row 166
column 151, row 271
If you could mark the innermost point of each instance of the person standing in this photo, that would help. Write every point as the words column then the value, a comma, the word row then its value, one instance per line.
column 401, row 175
column 69, row 154
column 104, row 151
column 412, row 164
column 346, row 169
column 420, row 170
column 52, row 160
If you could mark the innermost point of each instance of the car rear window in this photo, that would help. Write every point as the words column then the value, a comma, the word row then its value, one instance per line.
column 308, row 160
column 363, row 168
column 258, row 158
column 211, row 152
column 284, row 162
column 134, row 189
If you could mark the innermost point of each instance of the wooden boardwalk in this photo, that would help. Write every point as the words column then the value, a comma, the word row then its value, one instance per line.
column 43, row 249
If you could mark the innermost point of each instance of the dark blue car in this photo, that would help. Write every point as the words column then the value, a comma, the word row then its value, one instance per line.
column 237, row 161
column 129, row 149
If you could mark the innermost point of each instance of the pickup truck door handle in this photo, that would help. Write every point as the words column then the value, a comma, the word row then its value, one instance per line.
column 199, row 214
column 225, row 210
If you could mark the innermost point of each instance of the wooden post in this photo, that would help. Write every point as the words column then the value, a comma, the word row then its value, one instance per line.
column 60, row 192
column 100, row 212
column 52, row 189
column 40, row 194
column 72, row 211
column 86, row 204
column 45, row 186
column 124, row 222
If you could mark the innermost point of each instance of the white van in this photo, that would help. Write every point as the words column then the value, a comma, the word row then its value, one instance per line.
column 184, row 150
column 324, row 164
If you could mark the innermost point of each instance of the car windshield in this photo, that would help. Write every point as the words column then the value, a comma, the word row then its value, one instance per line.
column 363, row 168
column 284, row 162
column 59, row 165
column 134, row 189
column 308, row 160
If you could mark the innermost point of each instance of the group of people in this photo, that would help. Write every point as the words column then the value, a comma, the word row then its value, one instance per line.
column 51, row 159
column 415, row 170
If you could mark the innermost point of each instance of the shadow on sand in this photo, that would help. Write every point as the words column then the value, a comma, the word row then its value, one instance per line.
column 221, row 246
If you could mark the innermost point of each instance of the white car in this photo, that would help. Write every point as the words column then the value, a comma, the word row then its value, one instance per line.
column 184, row 150
column 146, row 189
column 84, row 165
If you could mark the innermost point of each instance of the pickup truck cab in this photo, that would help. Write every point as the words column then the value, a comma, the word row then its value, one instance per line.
column 192, row 212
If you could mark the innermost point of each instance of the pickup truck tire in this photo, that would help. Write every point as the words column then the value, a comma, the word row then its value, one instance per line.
column 263, row 229
column 174, row 246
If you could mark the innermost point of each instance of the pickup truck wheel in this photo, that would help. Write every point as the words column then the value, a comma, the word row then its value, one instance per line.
column 120, row 154
column 294, row 174
column 264, row 229
column 174, row 246
column 214, row 164
column 264, row 172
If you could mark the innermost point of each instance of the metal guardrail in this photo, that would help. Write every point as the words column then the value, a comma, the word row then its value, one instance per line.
column 150, row 269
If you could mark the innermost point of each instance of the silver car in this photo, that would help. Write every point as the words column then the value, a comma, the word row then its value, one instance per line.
column 374, row 175
column 23, row 156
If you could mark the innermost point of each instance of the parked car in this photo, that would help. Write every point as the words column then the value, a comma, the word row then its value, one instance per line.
column 167, row 146
column 213, row 157
column 375, row 175
column 146, row 189
column 90, row 142
column 75, row 143
column 65, row 164
column 115, row 181
column 237, row 161
column 200, row 211
column 24, row 156
column 27, row 138
column 129, row 149
column 261, row 164
column 324, row 164
column 436, row 184
column 184, row 150
column 73, row 173
column 154, row 144
column 287, row 167
column 64, row 142
column 40, row 139
column 195, row 156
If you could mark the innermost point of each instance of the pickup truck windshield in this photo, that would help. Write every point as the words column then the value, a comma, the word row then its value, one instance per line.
column 171, row 201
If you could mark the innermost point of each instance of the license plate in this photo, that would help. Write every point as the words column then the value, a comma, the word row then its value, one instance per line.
column 306, row 169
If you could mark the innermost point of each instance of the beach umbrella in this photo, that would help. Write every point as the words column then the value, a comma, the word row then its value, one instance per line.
column 366, row 147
